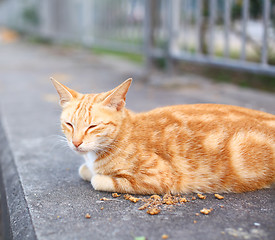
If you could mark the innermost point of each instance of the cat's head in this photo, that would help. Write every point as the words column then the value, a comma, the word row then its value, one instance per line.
column 91, row 122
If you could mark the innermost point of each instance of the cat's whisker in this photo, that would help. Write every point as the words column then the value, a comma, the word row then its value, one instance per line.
column 57, row 142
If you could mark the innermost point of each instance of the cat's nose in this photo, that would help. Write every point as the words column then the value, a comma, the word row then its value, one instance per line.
column 77, row 143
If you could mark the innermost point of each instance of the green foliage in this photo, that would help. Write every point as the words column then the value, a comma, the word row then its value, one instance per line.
column 140, row 238
column 255, row 9
column 137, row 58
column 31, row 16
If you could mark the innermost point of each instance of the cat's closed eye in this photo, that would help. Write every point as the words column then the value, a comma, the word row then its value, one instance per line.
column 69, row 124
column 91, row 128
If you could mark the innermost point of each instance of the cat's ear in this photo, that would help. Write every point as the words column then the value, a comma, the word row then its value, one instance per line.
column 118, row 96
column 66, row 94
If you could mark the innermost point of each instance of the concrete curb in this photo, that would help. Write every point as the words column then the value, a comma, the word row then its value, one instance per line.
column 16, row 219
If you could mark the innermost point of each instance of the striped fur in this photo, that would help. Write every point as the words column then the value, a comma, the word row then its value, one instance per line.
column 177, row 149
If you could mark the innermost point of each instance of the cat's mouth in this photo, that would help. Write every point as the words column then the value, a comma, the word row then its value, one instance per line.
column 80, row 151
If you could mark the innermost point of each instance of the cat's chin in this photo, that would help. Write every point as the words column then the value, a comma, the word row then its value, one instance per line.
column 79, row 151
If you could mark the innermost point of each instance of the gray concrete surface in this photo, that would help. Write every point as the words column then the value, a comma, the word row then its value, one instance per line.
column 44, row 195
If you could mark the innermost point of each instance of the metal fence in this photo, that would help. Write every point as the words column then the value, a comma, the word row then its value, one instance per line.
column 239, row 34
column 216, row 33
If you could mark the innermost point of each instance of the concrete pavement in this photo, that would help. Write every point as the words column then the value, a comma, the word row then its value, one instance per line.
column 45, row 197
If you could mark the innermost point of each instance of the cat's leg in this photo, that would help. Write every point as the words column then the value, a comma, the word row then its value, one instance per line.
column 85, row 173
column 111, row 184
column 103, row 183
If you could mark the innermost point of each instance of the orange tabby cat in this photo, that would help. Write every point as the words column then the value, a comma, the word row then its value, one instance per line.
column 176, row 149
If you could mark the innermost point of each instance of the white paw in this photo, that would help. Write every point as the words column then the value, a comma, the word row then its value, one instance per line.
column 103, row 183
column 85, row 173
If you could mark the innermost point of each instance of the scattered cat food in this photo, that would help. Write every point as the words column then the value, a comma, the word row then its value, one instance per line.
column 206, row 211
column 87, row 216
column 164, row 236
column 115, row 195
column 168, row 201
column 183, row 200
column 144, row 206
column 127, row 196
column 218, row 196
column 131, row 198
column 155, row 197
column 104, row 199
column 153, row 211
column 201, row 196
column 156, row 203
column 134, row 199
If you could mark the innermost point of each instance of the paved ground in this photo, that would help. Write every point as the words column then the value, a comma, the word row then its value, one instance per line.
column 45, row 196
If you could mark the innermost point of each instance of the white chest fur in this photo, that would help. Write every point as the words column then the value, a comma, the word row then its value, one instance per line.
column 90, row 158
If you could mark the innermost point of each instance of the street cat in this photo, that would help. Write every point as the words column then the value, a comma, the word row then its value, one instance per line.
column 174, row 149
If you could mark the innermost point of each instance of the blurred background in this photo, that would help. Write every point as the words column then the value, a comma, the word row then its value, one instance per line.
column 235, row 38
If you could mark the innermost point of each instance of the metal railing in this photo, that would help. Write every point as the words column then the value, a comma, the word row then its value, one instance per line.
column 227, row 41
column 216, row 32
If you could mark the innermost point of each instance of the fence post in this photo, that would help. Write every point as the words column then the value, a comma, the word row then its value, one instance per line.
column 266, row 12
column 87, row 24
column 245, row 17
column 227, row 23
column 172, row 27
column 147, row 35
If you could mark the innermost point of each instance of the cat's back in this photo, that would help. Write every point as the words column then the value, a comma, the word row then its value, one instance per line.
column 207, row 121
column 205, row 114
column 215, row 110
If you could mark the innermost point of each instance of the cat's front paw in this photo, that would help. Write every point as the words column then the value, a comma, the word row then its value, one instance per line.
column 103, row 183
column 85, row 173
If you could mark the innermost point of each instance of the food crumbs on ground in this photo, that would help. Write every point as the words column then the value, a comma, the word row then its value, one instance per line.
column 104, row 199
column 131, row 198
column 155, row 203
column 87, row 215
column 218, row 196
column 206, row 211
column 164, row 236
column 201, row 196
column 182, row 200
column 101, row 208
column 144, row 206
column 168, row 201
column 155, row 197
column 134, row 199
column 153, row 211
column 127, row 196
column 115, row 195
